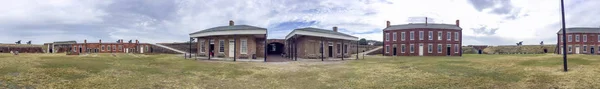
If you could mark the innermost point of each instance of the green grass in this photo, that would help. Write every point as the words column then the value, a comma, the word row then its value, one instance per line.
column 171, row 71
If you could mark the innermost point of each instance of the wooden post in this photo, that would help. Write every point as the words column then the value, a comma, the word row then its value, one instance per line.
column 295, row 48
column 357, row 45
column 234, row 47
column 265, row 46
column 322, row 49
column 342, row 49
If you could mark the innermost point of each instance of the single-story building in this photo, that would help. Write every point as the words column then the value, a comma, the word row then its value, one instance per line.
column 315, row 43
column 232, row 41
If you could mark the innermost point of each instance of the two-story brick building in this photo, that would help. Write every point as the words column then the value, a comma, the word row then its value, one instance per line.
column 422, row 39
column 580, row 40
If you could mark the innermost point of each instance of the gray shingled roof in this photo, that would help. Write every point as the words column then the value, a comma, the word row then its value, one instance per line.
column 324, row 31
column 423, row 25
column 581, row 30
column 234, row 27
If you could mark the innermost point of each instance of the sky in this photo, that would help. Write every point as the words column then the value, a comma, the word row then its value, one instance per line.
column 484, row 22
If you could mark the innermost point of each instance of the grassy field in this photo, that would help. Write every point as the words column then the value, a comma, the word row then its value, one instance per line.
column 171, row 71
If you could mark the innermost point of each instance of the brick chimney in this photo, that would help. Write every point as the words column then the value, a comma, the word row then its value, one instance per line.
column 121, row 41
column 136, row 41
column 458, row 23
column 84, row 41
column 388, row 24
column 100, row 41
column 335, row 29
column 231, row 23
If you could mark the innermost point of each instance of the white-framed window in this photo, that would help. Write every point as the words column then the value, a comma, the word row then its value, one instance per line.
column 345, row 48
column 576, row 38
column 387, row 48
column 221, row 46
column 339, row 48
column 109, row 48
column 412, row 48
column 403, row 35
column 244, row 46
column 439, row 36
column 102, row 48
column 456, row 48
column 584, row 38
column 456, row 36
column 448, row 36
column 74, row 48
column 402, row 48
column 412, row 35
column 598, row 38
column 202, row 46
column 570, row 48
column 429, row 48
column 569, row 38
column 421, row 35
column 394, row 36
column 120, row 47
column 584, row 48
column 439, row 48
column 430, row 35
column 387, row 36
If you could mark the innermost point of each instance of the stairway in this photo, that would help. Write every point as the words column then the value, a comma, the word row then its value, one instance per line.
column 173, row 49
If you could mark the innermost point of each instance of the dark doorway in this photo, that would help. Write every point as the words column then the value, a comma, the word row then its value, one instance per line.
column 275, row 48
column 394, row 51
column 448, row 51
column 211, row 49
column 79, row 50
column 479, row 51
column 330, row 51
column 592, row 50
column 50, row 50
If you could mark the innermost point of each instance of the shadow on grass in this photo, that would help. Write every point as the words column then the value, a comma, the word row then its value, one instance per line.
column 555, row 61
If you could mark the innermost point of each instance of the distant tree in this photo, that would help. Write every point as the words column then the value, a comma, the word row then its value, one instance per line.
column 542, row 43
column 28, row 42
column 18, row 42
column 363, row 41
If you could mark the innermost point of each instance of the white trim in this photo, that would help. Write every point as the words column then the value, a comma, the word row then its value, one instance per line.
column 421, row 35
column 576, row 38
column 243, row 46
column 387, row 36
column 221, row 45
column 584, row 38
column 569, row 38
column 430, row 48
column 449, row 36
column 440, row 35
column 456, row 48
column 395, row 36
column 387, row 49
column 456, row 36
column 412, row 35
column 430, row 35
column 202, row 46
column 230, row 32
column 585, row 48
column 317, row 34
column 439, row 46
column 412, row 48
column 402, row 48
column 403, row 36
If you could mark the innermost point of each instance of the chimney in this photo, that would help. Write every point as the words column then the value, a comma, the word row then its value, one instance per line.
column 121, row 41
column 100, row 41
column 136, row 41
column 84, row 41
column 425, row 21
column 231, row 23
column 458, row 23
column 388, row 24
column 335, row 29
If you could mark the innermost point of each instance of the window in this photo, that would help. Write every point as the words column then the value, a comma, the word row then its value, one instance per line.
column 412, row 35
column 420, row 35
column 448, row 36
column 439, row 48
column 598, row 38
column 221, row 46
column 339, row 47
column 115, row 47
column 102, row 48
column 570, row 48
column 584, row 38
column 403, row 34
column 430, row 35
column 439, row 36
column 402, row 48
column 120, row 47
column 202, row 46
column 456, row 48
column 109, row 48
column 74, row 48
column 456, row 36
column 569, row 38
column 412, row 48
column 345, row 48
column 576, row 38
column 387, row 48
column 244, row 46
column 394, row 36
column 584, row 48
column 430, row 48
column 387, row 36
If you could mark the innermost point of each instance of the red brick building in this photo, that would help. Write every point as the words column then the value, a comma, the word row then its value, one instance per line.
column 108, row 47
column 422, row 39
column 580, row 40
column 315, row 43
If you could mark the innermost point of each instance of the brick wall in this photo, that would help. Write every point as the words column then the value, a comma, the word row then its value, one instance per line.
column 255, row 46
